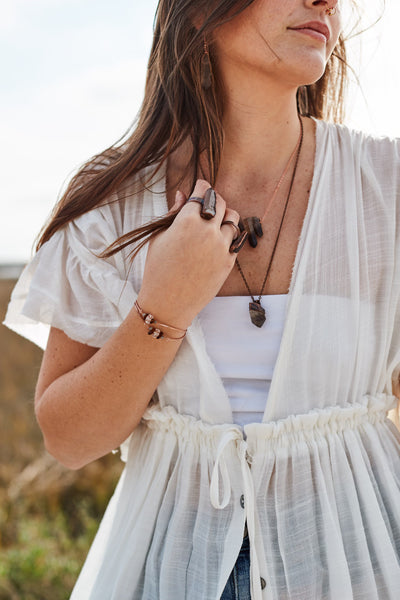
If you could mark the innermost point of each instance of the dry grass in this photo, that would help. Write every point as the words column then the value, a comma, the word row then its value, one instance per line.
column 48, row 515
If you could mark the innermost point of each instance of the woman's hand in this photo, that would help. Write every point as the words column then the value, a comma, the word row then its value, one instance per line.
column 187, row 265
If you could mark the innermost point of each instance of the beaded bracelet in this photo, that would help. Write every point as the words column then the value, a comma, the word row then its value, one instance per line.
column 156, row 332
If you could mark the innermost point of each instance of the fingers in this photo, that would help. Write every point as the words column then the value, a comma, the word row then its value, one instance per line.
column 225, row 218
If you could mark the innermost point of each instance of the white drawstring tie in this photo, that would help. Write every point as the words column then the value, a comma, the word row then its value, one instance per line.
column 234, row 435
column 231, row 435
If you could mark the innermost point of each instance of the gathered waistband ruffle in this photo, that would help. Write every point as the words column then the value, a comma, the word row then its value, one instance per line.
column 318, row 421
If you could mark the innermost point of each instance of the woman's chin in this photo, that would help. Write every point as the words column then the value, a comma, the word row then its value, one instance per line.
column 308, row 73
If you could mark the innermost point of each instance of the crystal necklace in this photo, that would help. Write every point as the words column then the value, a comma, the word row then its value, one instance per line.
column 253, row 225
column 257, row 312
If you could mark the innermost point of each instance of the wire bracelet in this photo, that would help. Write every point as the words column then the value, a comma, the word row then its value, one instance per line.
column 153, row 326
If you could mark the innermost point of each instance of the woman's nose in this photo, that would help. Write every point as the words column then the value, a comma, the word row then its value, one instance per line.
column 327, row 4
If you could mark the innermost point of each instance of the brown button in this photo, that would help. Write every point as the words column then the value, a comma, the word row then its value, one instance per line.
column 263, row 583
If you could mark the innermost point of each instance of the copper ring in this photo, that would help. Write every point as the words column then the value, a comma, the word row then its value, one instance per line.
column 196, row 199
column 237, row 230
column 238, row 243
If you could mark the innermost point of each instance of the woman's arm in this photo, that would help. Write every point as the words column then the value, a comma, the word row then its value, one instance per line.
column 88, row 401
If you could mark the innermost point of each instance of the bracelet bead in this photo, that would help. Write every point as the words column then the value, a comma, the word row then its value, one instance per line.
column 159, row 334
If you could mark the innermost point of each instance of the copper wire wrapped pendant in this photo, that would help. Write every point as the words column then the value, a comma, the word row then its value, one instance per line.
column 257, row 313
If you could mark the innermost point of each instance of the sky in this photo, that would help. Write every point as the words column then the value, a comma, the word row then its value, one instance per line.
column 72, row 80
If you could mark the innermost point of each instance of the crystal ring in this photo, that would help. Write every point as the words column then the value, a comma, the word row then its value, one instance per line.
column 238, row 243
column 208, row 204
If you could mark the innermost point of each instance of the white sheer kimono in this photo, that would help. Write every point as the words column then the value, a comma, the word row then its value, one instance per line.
column 319, row 479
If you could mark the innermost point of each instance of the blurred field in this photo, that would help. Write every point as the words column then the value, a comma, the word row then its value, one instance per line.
column 48, row 515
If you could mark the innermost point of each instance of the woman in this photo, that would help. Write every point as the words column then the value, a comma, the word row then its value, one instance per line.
column 224, row 494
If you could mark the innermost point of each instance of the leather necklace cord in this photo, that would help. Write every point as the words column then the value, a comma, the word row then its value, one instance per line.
column 276, row 190
column 258, row 301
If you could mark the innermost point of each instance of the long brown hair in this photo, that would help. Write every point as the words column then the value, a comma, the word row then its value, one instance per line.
column 176, row 108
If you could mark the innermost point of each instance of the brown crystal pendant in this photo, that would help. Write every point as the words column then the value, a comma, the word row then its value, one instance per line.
column 253, row 227
column 257, row 313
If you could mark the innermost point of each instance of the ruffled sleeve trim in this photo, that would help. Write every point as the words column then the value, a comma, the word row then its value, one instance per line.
column 69, row 287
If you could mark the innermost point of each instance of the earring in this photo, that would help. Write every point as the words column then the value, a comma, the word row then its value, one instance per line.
column 206, row 70
column 331, row 11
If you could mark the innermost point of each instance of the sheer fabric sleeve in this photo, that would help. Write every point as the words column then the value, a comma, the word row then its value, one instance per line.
column 67, row 286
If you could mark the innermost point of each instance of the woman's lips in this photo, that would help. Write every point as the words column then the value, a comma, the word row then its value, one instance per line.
column 314, row 29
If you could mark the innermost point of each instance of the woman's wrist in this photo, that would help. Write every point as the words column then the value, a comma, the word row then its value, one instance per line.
column 174, row 318
column 157, row 329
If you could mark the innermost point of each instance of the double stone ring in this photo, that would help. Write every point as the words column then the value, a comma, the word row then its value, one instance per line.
column 208, row 211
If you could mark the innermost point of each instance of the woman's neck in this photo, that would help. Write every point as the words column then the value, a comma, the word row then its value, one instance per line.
column 258, row 139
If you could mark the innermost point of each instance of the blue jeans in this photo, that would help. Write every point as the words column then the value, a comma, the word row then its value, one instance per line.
column 238, row 584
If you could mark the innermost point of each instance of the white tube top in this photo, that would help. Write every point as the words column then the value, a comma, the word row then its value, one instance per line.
column 244, row 355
